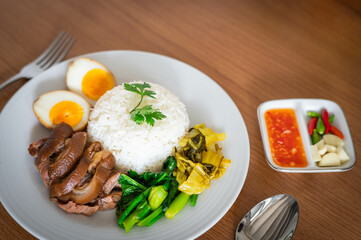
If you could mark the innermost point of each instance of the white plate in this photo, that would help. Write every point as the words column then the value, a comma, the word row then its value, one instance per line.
column 301, row 106
column 27, row 199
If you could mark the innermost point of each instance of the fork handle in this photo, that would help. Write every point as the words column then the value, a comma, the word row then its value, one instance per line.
column 10, row 80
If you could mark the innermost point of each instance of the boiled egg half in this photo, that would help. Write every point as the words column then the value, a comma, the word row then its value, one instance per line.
column 89, row 78
column 54, row 107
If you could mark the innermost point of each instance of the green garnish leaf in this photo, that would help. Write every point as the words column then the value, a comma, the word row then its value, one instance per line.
column 149, row 117
column 137, row 117
column 149, row 93
column 139, row 89
column 147, row 113
column 131, row 88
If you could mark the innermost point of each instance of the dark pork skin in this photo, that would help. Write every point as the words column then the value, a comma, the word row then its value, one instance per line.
column 52, row 145
column 98, row 157
column 111, row 182
column 35, row 146
column 69, row 157
column 66, row 185
column 55, row 141
column 91, row 190
column 86, row 178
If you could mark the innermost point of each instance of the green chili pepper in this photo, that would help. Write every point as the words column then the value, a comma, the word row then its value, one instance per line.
column 330, row 119
column 315, row 137
column 320, row 127
column 313, row 114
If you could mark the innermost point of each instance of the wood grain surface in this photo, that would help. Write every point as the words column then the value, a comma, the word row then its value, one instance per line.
column 256, row 50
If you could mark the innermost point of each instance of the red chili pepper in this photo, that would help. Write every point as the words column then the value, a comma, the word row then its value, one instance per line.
column 325, row 120
column 312, row 125
column 335, row 131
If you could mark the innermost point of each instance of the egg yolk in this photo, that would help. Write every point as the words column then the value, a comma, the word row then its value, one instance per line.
column 66, row 111
column 96, row 82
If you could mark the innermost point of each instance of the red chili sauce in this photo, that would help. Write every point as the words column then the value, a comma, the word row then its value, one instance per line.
column 284, row 138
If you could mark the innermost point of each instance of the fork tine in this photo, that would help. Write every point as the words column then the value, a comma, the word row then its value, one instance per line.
column 57, row 53
column 65, row 52
column 53, row 51
column 46, row 52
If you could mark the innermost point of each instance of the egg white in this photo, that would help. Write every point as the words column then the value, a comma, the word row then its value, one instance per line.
column 76, row 72
column 46, row 101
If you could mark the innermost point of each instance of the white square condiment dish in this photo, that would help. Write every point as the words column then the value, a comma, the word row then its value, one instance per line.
column 301, row 106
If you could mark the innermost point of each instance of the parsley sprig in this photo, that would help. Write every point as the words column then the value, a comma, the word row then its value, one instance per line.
column 147, row 113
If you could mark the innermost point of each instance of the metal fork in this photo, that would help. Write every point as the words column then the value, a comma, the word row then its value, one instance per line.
column 52, row 55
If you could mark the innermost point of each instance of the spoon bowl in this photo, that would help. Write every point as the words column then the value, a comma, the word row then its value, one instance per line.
column 273, row 218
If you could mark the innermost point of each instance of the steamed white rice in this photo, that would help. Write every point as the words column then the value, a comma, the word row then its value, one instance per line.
column 138, row 147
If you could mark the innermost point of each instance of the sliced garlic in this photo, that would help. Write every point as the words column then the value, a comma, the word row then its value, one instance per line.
column 314, row 153
column 330, row 160
column 342, row 154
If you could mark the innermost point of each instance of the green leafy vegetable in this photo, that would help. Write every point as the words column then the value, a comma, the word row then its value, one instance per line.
column 172, row 191
column 169, row 165
column 124, row 179
column 193, row 200
column 146, row 113
column 131, row 189
column 139, row 214
column 147, row 197
column 157, row 196
column 133, row 174
column 178, row 203
column 149, row 177
column 132, row 205
column 152, row 218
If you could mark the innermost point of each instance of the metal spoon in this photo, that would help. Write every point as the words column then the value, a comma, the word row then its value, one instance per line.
column 273, row 218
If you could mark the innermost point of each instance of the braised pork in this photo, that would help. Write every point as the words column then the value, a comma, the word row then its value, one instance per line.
column 66, row 185
column 72, row 207
column 69, row 157
column 80, row 180
column 111, row 182
column 35, row 146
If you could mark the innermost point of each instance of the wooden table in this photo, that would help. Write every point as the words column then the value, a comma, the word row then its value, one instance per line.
column 256, row 50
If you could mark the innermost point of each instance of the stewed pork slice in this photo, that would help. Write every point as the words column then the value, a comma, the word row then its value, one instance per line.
column 98, row 157
column 72, row 207
column 86, row 179
column 111, row 182
column 91, row 190
column 35, row 147
column 69, row 157
column 56, row 139
column 102, row 203
column 109, row 201
column 44, row 149
column 80, row 180
column 66, row 185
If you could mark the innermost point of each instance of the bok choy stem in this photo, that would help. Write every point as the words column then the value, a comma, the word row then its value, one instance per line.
column 152, row 218
column 139, row 213
column 178, row 203
column 135, row 202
